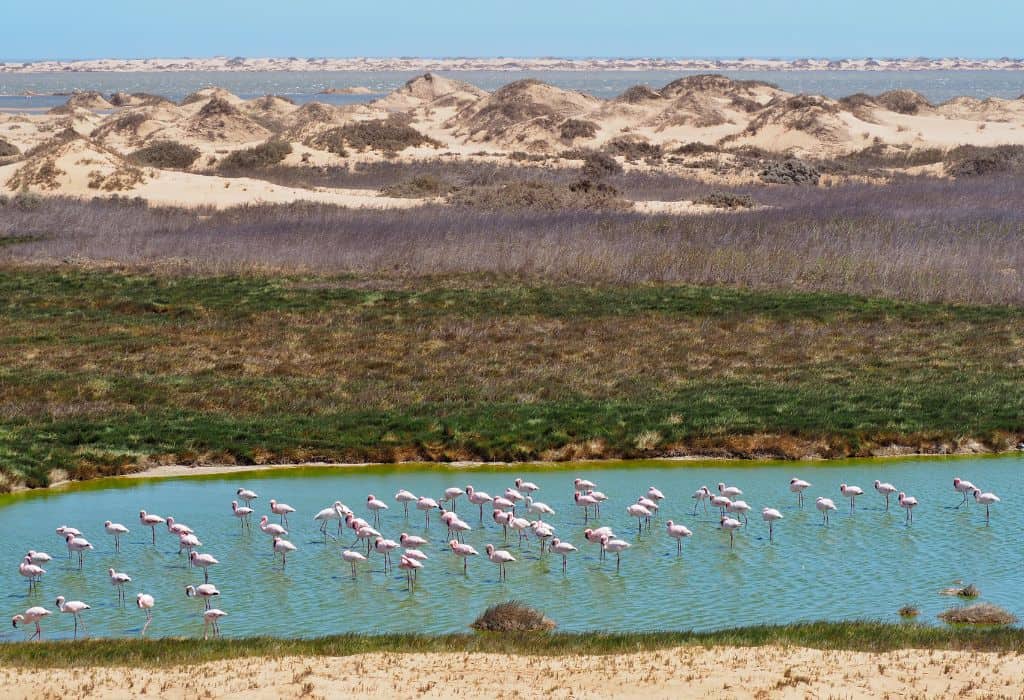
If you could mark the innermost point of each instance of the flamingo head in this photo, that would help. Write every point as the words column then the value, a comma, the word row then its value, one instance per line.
column 604, row 539
column 588, row 532
column 956, row 481
column 276, row 540
column 902, row 496
column 193, row 554
column 976, row 493
column 877, row 483
column 273, row 502
column 489, row 549
column 263, row 519
column 68, row 537
column 518, row 482
column 190, row 590
column 452, row 543
column 555, row 541
column 469, row 489
column 60, row 601
column 142, row 514
column 669, row 524
column 369, row 498
column 721, row 486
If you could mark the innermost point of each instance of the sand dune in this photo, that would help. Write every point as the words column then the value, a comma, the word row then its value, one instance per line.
column 465, row 122
column 763, row 672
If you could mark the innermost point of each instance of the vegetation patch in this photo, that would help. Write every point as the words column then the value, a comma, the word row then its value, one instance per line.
column 790, row 172
column 166, row 154
column 264, row 155
column 512, row 616
column 572, row 129
column 8, row 149
column 384, row 135
column 978, row 614
column 633, row 148
column 971, row 161
column 422, row 186
column 727, row 200
column 540, row 196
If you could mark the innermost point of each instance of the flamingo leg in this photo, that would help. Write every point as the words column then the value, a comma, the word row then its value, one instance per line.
column 986, row 514
column 39, row 633
column 731, row 539
column 618, row 561
column 465, row 566
column 771, row 531
column 886, row 503
column 563, row 563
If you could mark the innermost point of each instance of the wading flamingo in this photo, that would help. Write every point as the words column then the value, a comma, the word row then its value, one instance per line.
column 211, row 618
column 205, row 561
column 282, row 547
column 204, row 591
column 40, row 558
column 908, row 503
column 78, row 544
column 770, row 516
column 376, row 506
column 798, row 486
column 74, row 608
column 270, row 528
column 464, row 551
column 615, row 546
column 33, row 572
column 526, row 487
column 594, row 536
column 501, row 558
column 451, row 495
column 335, row 512
column 699, row 496
column 964, row 488
column 886, row 489
column 586, row 502
column 117, row 580
column 851, row 492
column 677, row 532
column 411, row 568
column 247, row 496
column 244, row 515
column 385, row 547
column 731, row 525
column 405, row 498
column 281, row 509
column 426, row 505
column 353, row 558
column 635, row 510
column 562, row 548
column 150, row 520
column 987, row 499
column 826, row 506
column 115, row 530
column 478, row 498
column 31, row 616
column 145, row 602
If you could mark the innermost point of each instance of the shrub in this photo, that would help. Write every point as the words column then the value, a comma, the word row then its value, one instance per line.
column 332, row 140
column 385, row 135
column 638, row 93
column 26, row 201
column 266, row 154
column 217, row 107
column 696, row 148
column 572, row 129
column 166, row 154
column 633, row 149
column 539, row 196
column 8, row 149
column 978, row 614
column 969, row 161
column 726, row 200
column 790, row 172
column 512, row 616
column 903, row 101
column 909, row 611
column 422, row 186
column 598, row 165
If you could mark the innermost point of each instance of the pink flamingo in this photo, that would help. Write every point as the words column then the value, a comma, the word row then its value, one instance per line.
column 465, row 551
column 188, row 543
column 145, row 602
column 826, row 506
column 426, row 505
column 615, row 546
column 405, row 498
column 411, row 568
column 353, row 558
column 204, row 591
column 594, row 536
column 385, row 547
column 376, row 506
column 908, row 503
column 40, row 558
column 247, row 496
column 731, row 525
column 963, row 487
column 411, row 540
column 281, row 509
column 699, row 496
column 635, row 510
column 74, row 608
column 885, row 489
column 150, row 520
column 78, row 544
column 526, row 487
column 31, row 616
column 176, row 528
column 770, row 516
column 244, row 515
column 798, row 486
column 211, row 618
column 205, row 561
column 586, row 502
column 678, row 532
column 503, row 519
column 851, row 492
column 32, row 572
column 478, row 498
column 501, row 558
column 987, row 499
column 451, row 495
column 282, row 547
column 270, row 528
column 117, row 580
column 563, row 548
column 115, row 530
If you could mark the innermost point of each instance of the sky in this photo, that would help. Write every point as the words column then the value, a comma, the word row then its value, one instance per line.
column 570, row 28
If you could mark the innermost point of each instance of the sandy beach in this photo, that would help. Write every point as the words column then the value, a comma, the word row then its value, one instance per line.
column 735, row 672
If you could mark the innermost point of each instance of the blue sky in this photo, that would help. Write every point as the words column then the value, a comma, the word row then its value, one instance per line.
column 337, row 28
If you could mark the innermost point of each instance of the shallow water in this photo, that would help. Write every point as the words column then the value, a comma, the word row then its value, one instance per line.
column 937, row 86
column 864, row 565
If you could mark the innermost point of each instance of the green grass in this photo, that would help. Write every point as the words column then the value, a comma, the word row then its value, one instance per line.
column 852, row 636
column 102, row 372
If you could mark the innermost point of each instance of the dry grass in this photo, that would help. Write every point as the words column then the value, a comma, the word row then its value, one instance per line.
column 978, row 614
column 512, row 616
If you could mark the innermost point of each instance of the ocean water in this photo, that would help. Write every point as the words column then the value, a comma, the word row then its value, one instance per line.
column 863, row 565
column 937, row 86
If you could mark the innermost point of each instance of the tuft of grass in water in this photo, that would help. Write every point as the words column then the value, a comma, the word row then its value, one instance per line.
column 978, row 614
column 512, row 616
column 908, row 611
column 851, row 636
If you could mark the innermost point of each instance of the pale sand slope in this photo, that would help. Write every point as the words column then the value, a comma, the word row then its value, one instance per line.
column 733, row 672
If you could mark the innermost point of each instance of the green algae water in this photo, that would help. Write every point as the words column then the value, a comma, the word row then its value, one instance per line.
column 864, row 565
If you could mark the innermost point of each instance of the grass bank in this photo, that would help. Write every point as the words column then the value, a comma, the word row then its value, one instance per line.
column 849, row 636
column 105, row 372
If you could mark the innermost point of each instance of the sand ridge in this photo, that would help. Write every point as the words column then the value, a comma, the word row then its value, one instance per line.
column 684, row 672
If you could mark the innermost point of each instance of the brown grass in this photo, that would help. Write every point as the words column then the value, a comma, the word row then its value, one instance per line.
column 978, row 614
column 512, row 616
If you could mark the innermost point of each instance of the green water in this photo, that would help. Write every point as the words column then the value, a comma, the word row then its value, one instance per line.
column 863, row 566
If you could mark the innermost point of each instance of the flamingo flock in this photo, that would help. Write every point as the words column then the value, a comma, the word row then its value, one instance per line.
column 518, row 512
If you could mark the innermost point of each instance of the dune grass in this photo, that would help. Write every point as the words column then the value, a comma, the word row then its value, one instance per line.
column 107, row 371
column 850, row 636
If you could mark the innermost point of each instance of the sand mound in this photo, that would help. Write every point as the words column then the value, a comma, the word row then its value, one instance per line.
column 904, row 102
column 206, row 94
column 218, row 120
column 76, row 166
column 89, row 100
column 526, row 113
column 713, row 84
column 135, row 125
column 801, row 122
column 137, row 99
column 430, row 89
column 310, row 120
column 269, row 106
column 638, row 94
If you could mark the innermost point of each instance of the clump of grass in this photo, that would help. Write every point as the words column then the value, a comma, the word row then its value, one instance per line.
column 790, row 172
column 970, row 161
column 968, row 591
column 422, row 186
column 331, row 140
column 903, row 101
column 540, row 196
column 978, row 614
column 166, row 154
column 909, row 611
column 512, row 616
column 264, row 155
column 598, row 165
column 726, row 200
column 572, row 129
column 8, row 149
column 384, row 135
column 633, row 148
column 218, row 107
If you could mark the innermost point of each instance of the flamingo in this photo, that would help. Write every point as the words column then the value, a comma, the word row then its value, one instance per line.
column 503, row 519
column 594, row 536
column 583, row 486
column 537, row 507
column 150, row 520
column 731, row 525
column 616, row 546
column 463, row 550
column 74, row 608
column 335, row 512
column 728, row 491
column 699, row 496
column 798, row 486
column 770, row 515
column 414, row 554
column 503, row 503
column 457, row 527
column 63, row 531
column 247, row 496
column 188, row 543
column 963, row 487
column 649, row 504
column 204, row 591
column 31, row 616
column 678, row 532
column 405, row 498
column 740, row 507
column 451, row 495
column 909, row 503
column 411, row 540
column 600, row 498
column 519, row 525
column 543, row 532
column 115, row 530
column 281, row 509
column 33, row 572
column 376, row 506
column 145, row 602
column 851, row 492
column 635, row 510
column 385, row 547
column 40, row 558
column 721, row 502
column 586, row 502
column 117, row 580
column 501, row 558
column 825, row 505
column 513, row 495
column 211, row 618
column 987, row 499
column 426, row 505
column 411, row 568
column 176, row 528
column 478, row 498
column 353, row 557
column 243, row 513
column 366, row 533
column 77, row 544
column 886, row 489
column 282, row 547
column 205, row 561
column 527, row 487
column 654, row 494
column 563, row 548
column 270, row 528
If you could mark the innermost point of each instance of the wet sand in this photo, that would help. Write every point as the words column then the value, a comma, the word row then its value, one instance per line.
column 734, row 672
